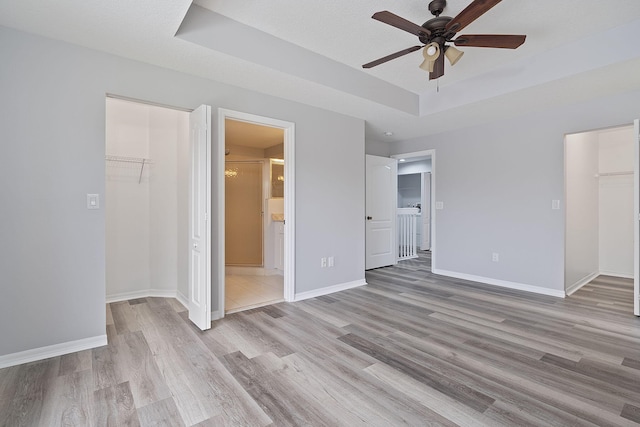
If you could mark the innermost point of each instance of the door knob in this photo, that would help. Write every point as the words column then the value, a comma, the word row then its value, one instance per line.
column 195, row 246
column 369, row 218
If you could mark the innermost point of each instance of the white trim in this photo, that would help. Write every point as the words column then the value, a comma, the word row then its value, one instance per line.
column 432, row 154
column 159, row 293
column 182, row 299
column 289, row 199
column 616, row 274
column 51, row 351
column 503, row 283
column 636, row 217
column 215, row 314
column 580, row 283
column 329, row 290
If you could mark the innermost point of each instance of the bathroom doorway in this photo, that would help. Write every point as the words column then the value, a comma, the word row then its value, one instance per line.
column 254, row 215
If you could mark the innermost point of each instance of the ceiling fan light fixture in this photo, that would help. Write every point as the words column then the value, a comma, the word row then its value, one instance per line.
column 453, row 54
column 431, row 52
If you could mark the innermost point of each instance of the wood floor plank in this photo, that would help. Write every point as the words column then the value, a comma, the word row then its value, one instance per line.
column 75, row 362
column 631, row 412
column 140, row 370
column 23, row 407
column 114, row 407
column 68, row 400
column 458, row 391
column 410, row 348
column 160, row 413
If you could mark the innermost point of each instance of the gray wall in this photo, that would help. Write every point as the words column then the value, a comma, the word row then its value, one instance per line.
column 497, row 182
column 581, row 203
column 52, row 123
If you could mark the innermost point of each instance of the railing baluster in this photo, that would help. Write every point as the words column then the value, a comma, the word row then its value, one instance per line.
column 406, row 231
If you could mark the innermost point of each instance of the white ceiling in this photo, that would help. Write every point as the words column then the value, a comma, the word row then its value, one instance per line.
column 575, row 49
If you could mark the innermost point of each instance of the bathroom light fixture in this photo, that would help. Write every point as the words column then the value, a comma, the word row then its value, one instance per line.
column 230, row 173
column 401, row 160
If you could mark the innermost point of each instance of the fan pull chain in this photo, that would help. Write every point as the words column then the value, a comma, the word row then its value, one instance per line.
column 437, row 85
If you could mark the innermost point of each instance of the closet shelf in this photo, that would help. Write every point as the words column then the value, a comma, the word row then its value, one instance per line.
column 598, row 175
column 124, row 159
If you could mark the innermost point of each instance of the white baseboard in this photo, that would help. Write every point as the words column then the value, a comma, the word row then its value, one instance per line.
column 182, row 299
column 161, row 293
column 616, row 274
column 216, row 314
column 580, row 283
column 502, row 283
column 51, row 351
column 329, row 290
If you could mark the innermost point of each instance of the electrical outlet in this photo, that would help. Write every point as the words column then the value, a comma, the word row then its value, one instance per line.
column 330, row 260
column 495, row 257
column 323, row 262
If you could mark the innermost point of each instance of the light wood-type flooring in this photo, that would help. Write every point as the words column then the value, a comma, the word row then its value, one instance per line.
column 410, row 348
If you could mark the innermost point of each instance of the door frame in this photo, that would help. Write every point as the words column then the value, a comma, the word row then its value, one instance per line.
column 636, row 217
column 289, row 199
column 432, row 154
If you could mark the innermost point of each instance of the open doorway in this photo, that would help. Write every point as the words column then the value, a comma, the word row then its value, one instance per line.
column 255, row 193
column 254, row 211
column 599, row 191
column 146, row 201
column 416, row 190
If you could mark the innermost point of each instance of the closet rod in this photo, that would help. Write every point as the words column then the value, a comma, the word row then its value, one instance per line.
column 598, row 175
column 123, row 159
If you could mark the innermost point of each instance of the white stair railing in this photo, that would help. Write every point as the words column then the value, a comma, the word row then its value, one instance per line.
column 407, row 233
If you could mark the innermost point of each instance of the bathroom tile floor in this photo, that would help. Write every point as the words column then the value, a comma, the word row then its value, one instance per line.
column 243, row 292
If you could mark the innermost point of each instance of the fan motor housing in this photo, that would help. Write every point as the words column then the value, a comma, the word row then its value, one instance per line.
column 437, row 28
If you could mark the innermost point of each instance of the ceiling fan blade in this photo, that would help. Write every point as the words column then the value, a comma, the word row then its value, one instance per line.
column 390, row 57
column 504, row 41
column 438, row 68
column 470, row 13
column 398, row 22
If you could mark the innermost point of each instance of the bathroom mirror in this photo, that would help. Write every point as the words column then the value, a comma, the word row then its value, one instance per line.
column 277, row 178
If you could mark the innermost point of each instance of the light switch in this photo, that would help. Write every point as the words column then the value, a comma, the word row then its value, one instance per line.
column 555, row 204
column 439, row 205
column 93, row 201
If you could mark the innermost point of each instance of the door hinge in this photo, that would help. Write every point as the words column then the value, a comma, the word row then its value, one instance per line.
column 206, row 216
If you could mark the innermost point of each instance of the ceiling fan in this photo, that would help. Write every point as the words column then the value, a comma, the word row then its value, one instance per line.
column 437, row 32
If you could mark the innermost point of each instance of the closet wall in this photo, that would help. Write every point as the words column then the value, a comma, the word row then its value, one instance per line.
column 146, row 214
column 615, row 182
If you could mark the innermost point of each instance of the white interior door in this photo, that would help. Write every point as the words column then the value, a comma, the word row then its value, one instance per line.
column 425, row 211
column 199, row 218
column 381, row 201
column 636, row 208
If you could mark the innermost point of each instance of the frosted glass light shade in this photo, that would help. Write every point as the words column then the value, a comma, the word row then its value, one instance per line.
column 431, row 52
column 453, row 54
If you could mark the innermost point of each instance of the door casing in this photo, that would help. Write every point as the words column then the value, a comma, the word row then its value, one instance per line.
column 289, row 201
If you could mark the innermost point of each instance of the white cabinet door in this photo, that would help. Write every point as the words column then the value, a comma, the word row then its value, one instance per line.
column 381, row 200
column 199, row 221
